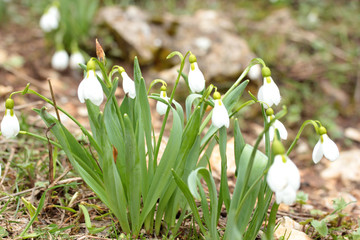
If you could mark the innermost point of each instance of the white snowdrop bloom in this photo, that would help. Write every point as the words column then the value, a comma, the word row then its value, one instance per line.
column 50, row 19
column 196, row 78
column 325, row 147
column 75, row 59
column 10, row 126
column 91, row 89
column 269, row 92
column 128, row 85
column 279, row 126
column 162, row 107
column 255, row 72
column 60, row 60
column 220, row 116
column 284, row 179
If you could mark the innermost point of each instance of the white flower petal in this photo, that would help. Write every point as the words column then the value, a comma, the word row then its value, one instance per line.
column 275, row 93
column 60, row 60
column 91, row 89
column 196, row 79
column 220, row 116
column 317, row 152
column 10, row 126
column 81, row 91
column 75, row 59
column 271, row 133
column 162, row 107
column 284, row 179
column 329, row 148
column 269, row 93
column 287, row 196
column 128, row 85
column 282, row 130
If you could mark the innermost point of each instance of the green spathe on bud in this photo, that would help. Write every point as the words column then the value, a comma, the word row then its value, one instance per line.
column 192, row 58
column 269, row 112
column 322, row 130
column 121, row 70
column 91, row 65
column 9, row 104
column 278, row 147
column 216, row 95
column 265, row 71
column 163, row 88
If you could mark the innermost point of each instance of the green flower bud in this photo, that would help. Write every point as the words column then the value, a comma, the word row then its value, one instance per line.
column 91, row 65
column 192, row 58
column 9, row 104
column 163, row 88
column 278, row 147
column 216, row 95
column 269, row 112
column 265, row 71
column 322, row 130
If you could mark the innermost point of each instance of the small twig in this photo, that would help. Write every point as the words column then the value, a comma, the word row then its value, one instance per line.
column 65, row 181
column 51, row 160
column 67, row 170
column 7, row 166
column 53, row 98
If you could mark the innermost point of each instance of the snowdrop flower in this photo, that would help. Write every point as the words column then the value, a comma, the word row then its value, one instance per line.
column 10, row 126
column 75, row 59
column 255, row 72
column 196, row 78
column 162, row 107
column 60, row 60
column 284, row 179
column 128, row 84
column 325, row 147
column 90, row 87
column 50, row 19
column 269, row 91
column 220, row 116
column 276, row 125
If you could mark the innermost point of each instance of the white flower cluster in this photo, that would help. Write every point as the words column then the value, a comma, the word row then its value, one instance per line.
column 61, row 60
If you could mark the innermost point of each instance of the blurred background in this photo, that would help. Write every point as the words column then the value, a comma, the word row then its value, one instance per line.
column 311, row 46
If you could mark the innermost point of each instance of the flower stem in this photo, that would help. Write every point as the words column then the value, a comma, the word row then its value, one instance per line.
column 168, row 111
column 307, row 122
column 40, row 138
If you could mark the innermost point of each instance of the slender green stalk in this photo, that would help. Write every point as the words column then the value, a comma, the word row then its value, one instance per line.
column 245, row 72
column 272, row 219
column 307, row 122
column 83, row 129
column 250, row 102
column 40, row 138
column 253, row 153
column 168, row 110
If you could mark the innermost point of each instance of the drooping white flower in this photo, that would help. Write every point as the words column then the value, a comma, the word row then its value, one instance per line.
column 279, row 126
column 50, row 19
column 284, row 179
column 325, row 147
column 220, row 116
column 128, row 85
column 162, row 107
column 255, row 72
column 196, row 77
column 75, row 59
column 269, row 91
column 10, row 126
column 91, row 89
column 60, row 60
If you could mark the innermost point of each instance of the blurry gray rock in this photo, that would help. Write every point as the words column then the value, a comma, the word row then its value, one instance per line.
column 210, row 35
